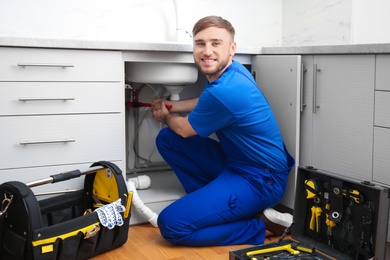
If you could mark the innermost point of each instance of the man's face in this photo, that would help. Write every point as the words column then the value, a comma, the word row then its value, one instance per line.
column 213, row 51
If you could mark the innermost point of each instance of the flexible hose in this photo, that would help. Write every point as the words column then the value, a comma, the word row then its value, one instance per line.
column 139, row 205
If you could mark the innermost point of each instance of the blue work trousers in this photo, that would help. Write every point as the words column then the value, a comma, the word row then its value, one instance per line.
column 222, row 204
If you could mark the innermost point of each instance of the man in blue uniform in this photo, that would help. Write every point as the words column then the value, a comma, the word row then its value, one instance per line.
column 229, row 181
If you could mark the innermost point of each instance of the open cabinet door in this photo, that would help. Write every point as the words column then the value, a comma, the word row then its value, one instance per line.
column 279, row 78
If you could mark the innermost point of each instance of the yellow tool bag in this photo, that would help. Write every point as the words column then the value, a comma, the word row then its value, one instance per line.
column 75, row 225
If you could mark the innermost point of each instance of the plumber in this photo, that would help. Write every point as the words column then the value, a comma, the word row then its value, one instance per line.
column 231, row 181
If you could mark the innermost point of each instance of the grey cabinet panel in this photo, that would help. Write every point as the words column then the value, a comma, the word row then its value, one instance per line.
column 382, row 109
column 342, row 124
column 279, row 78
column 306, row 124
column 381, row 157
column 382, row 72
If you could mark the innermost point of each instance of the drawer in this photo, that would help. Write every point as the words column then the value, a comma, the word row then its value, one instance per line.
column 381, row 166
column 382, row 108
column 30, row 64
column 27, row 175
column 31, row 141
column 32, row 98
column 382, row 81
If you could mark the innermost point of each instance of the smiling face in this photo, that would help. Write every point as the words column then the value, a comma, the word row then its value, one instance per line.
column 213, row 51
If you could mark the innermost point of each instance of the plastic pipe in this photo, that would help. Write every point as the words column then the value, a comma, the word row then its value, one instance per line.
column 138, row 203
column 175, row 91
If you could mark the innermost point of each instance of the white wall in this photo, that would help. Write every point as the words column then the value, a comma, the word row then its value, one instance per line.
column 256, row 21
column 335, row 22
column 371, row 21
column 122, row 20
column 316, row 22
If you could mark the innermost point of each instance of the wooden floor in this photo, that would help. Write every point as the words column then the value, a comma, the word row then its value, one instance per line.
column 145, row 242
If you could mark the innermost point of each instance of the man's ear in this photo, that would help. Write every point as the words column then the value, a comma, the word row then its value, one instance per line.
column 233, row 49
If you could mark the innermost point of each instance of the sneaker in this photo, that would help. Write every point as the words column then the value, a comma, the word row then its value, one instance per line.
column 275, row 221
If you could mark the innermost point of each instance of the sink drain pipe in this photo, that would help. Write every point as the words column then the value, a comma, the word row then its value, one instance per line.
column 141, row 182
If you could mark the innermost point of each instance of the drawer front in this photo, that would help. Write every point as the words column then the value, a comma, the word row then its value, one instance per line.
column 382, row 108
column 382, row 72
column 30, row 64
column 32, row 98
column 381, row 164
column 31, row 141
column 27, row 175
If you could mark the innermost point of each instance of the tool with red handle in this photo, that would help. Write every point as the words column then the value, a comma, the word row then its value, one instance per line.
column 142, row 104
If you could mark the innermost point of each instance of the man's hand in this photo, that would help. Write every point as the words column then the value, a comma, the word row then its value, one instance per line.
column 178, row 124
column 159, row 110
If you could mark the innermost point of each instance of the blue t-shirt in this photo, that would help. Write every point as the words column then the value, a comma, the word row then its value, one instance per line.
column 236, row 110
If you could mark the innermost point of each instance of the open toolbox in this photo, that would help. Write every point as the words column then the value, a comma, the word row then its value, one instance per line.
column 335, row 217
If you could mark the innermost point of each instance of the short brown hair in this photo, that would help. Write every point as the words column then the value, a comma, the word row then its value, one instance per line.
column 213, row 21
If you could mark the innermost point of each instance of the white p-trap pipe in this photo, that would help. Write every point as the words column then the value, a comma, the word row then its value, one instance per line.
column 141, row 182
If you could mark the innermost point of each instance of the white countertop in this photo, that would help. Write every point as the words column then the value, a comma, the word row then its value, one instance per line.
column 107, row 45
column 330, row 49
column 187, row 47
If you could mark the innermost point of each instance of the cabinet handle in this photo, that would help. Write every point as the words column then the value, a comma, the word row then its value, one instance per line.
column 27, row 64
column 65, row 140
column 315, row 70
column 45, row 99
column 303, row 70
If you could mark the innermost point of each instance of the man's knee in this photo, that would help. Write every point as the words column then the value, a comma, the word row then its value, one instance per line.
column 170, row 230
column 163, row 134
column 163, row 138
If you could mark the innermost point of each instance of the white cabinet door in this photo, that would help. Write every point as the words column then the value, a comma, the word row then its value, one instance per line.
column 279, row 78
column 341, row 113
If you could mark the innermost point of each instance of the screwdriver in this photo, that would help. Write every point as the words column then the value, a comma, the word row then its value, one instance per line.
column 330, row 225
column 142, row 104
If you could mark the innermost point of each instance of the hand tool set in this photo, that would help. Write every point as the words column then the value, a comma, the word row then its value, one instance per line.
column 334, row 218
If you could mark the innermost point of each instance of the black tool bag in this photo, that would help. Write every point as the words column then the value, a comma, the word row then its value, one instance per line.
column 65, row 226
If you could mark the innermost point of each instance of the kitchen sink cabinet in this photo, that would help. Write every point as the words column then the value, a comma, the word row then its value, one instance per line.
column 337, row 118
